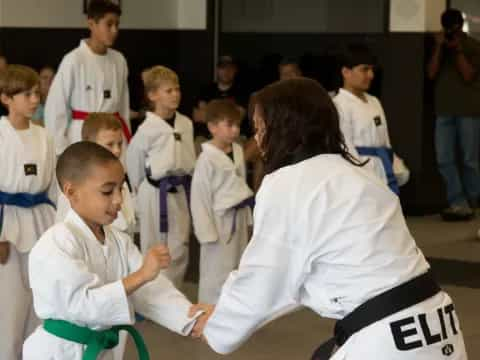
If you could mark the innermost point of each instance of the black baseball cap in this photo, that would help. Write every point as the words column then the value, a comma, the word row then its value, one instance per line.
column 225, row 60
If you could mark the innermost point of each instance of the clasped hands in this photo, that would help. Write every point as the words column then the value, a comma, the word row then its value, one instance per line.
column 207, row 309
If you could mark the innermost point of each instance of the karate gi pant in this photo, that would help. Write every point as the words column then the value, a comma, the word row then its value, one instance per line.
column 17, row 317
column 179, row 225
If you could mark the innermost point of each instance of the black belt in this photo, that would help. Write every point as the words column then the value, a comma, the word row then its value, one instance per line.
column 378, row 308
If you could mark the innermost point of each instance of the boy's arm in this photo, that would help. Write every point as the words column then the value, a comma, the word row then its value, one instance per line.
column 346, row 124
column 124, row 101
column 159, row 300
column 136, row 155
column 64, row 286
column 54, row 189
column 157, row 258
column 202, row 204
column 57, row 106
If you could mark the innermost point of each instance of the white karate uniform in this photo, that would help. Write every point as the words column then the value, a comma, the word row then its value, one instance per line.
column 218, row 185
column 328, row 236
column 77, row 279
column 125, row 220
column 22, row 227
column 155, row 147
column 363, row 123
column 87, row 82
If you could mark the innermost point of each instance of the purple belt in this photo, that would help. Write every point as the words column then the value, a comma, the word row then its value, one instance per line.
column 165, row 185
column 247, row 202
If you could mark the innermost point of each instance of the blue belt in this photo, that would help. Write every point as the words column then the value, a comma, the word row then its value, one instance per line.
column 166, row 185
column 247, row 202
column 23, row 200
column 386, row 155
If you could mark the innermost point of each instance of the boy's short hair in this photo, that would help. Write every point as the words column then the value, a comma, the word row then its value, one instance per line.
column 97, row 9
column 16, row 79
column 75, row 163
column 452, row 17
column 96, row 122
column 356, row 54
column 153, row 77
column 222, row 109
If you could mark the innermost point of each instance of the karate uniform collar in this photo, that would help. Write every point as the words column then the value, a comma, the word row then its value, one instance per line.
column 348, row 94
column 84, row 47
column 223, row 159
column 165, row 126
column 73, row 218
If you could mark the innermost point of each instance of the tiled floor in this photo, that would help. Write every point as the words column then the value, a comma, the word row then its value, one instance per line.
column 454, row 252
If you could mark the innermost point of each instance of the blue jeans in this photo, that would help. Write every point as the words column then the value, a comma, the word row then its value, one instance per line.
column 452, row 132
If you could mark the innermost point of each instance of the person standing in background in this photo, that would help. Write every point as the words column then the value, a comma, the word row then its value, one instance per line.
column 454, row 66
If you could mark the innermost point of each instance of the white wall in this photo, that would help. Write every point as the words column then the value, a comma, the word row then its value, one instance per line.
column 137, row 14
column 416, row 15
column 192, row 14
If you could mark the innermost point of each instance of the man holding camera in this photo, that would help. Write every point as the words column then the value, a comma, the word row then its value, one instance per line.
column 455, row 66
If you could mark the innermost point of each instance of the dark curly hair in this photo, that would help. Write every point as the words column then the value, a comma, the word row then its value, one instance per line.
column 301, row 122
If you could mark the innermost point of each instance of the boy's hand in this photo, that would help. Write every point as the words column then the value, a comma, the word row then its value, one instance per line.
column 4, row 252
column 157, row 258
column 197, row 331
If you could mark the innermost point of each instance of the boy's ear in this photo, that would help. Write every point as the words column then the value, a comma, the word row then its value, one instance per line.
column 91, row 23
column 69, row 190
column 211, row 127
column 345, row 71
column 5, row 99
column 151, row 95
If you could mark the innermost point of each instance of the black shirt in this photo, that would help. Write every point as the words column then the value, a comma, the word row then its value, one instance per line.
column 235, row 93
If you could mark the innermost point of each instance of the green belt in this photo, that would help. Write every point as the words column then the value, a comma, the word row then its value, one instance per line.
column 96, row 340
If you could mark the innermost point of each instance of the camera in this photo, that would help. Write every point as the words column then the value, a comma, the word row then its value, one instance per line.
column 449, row 35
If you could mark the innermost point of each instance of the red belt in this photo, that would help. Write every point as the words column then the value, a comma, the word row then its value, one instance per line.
column 82, row 115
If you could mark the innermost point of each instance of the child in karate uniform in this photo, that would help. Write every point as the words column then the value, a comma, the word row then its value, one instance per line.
column 87, row 277
column 91, row 78
column 105, row 130
column 328, row 235
column 363, row 120
column 160, row 162
column 221, row 200
column 27, row 195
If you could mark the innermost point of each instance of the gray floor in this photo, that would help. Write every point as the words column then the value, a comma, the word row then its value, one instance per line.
column 454, row 252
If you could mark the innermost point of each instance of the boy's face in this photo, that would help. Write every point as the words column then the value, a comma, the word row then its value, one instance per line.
column 359, row 77
column 111, row 140
column 98, row 198
column 226, row 73
column 46, row 79
column 23, row 104
column 226, row 130
column 167, row 95
column 289, row 71
column 105, row 30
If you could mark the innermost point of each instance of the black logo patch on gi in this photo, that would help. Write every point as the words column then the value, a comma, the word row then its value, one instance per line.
column 107, row 94
column 377, row 120
column 177, row 136
column 448, row 350
column 30, row 169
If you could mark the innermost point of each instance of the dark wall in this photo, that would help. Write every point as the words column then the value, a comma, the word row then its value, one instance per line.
column 190, row 53
column 400, row 85
column 400, row 82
